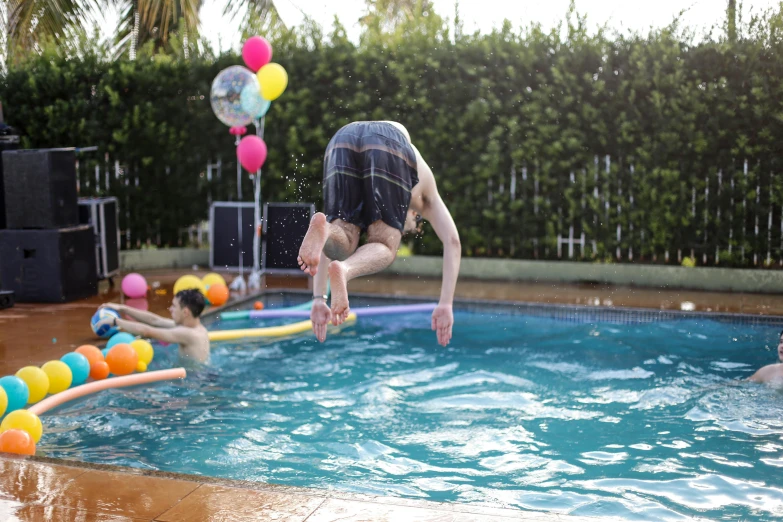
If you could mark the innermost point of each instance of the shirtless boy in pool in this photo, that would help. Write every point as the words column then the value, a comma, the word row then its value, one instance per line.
column 184, row 328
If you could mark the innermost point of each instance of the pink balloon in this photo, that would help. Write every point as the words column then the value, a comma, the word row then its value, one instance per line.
column 256, row 52
column 139, row 303
column 251, row 152
column 134, row 285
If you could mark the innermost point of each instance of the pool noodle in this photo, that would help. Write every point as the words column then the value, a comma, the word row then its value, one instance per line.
column 269, row 331
column 360, row 312
column 113, row 382
column 245, row 314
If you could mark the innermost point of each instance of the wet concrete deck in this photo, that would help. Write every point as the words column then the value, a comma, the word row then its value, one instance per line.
column 32, row 490
column 39, row 489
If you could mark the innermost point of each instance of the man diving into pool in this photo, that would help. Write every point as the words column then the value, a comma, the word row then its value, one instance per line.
column 771, row 372
column 184, row 328
column 375, row 181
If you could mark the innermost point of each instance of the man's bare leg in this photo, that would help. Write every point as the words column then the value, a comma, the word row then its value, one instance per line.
column 378, row 253
column 338, row 238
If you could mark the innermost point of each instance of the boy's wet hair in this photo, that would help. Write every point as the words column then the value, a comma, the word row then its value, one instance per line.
column 193, row 300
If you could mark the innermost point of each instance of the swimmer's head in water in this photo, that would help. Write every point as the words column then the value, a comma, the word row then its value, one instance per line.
column 186, row 302
column 780, row 347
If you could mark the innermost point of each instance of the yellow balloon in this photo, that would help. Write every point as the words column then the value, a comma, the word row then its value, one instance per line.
column 60, row 376
column 141, row 367
column 211, row 279
column 143, row 350
column 188, row 282
column 273, row 79
column 3, row 401
column 37, row 382
column 24, row 420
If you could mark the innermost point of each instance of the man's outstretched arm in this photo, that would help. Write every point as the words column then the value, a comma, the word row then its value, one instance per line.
column 443, row 224
column 141, row 316
column 178, row 334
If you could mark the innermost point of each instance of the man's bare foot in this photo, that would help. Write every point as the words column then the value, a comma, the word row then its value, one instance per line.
column 313, row 244
column 339, row 282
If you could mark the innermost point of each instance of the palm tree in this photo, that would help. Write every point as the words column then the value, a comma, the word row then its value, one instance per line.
column 145, row 20
column 386, row 15
column 28, row 22
column 731, row 15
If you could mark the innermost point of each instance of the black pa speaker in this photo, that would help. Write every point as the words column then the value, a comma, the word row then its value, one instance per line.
column 40, row 188
column 6, row 299
column 6, row 143
column 285, row 226
column 231, row 235
column 49, row 266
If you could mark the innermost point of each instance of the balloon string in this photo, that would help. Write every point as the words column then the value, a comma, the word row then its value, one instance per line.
column 257, row 181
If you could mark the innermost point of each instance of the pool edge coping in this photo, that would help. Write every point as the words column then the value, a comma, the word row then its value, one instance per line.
column 386, row 500
column 465, row 304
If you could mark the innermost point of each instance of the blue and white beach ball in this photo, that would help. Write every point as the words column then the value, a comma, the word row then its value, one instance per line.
column 102, row 321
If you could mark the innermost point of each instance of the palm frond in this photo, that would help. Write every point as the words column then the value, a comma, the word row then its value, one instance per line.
column 28, row 22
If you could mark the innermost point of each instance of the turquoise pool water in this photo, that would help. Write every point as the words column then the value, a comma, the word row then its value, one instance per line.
column 644, row 421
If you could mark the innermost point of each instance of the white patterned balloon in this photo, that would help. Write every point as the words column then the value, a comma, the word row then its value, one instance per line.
column 226, row 95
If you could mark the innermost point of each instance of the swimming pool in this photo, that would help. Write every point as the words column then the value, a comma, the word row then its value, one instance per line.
column 642, row 420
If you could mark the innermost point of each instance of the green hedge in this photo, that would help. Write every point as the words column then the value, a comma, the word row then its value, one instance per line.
column 669, row 145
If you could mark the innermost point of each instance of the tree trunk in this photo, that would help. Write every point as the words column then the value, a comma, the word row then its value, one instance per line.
column 731, row 15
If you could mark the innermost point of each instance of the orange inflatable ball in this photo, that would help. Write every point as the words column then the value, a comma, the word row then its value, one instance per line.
column 92, row 353
column 99, row 370
column 217, row 294
column 122, row 359
column 18, row 442
column 258, row 305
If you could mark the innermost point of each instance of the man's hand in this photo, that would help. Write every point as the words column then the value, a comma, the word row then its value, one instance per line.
column 320, row 316
column 442, row 321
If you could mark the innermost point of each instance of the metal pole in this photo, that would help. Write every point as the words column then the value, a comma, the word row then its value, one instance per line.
column 255, row 280
column 239, row 173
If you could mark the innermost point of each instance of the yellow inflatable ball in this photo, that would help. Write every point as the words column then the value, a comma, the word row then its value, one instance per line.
column 3, row 401
column 141, row 367
column 60, row 376
column 37, row 383
column 273, row 79
column 144, row 350
column 212, row 278
column 188, row 282
column 404, row 251
column 24, row 420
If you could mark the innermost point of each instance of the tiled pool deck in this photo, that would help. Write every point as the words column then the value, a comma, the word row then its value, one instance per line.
column 40, row 489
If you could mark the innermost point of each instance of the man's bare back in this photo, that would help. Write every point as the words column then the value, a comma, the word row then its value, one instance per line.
column 768, row 374
column 193, row 342
column 771, row 372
